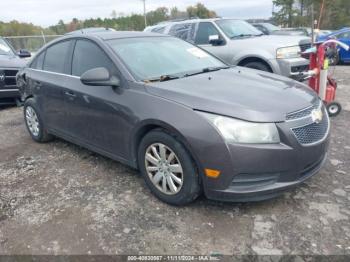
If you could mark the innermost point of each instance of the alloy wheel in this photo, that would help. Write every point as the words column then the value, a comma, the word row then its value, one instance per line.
column 32, row 121
column 164, row 168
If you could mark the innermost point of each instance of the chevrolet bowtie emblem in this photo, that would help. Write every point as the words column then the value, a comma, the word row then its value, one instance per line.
column 317, row 115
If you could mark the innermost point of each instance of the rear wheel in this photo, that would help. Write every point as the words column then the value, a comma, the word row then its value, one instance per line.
column 259, row 66
column 34, row 122
column 168, row 169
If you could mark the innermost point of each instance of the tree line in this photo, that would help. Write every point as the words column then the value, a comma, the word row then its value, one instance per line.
column 330, row 14
column 116, row 21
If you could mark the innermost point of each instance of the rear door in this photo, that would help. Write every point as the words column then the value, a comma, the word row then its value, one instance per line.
column 48, row 76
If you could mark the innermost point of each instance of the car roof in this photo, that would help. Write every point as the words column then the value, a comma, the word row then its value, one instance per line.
column 111, row 34
column 192, row 20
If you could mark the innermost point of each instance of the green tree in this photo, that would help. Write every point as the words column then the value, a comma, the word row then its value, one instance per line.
column 199, row 10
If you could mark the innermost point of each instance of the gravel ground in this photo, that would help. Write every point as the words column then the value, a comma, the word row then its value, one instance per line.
column 57, row 198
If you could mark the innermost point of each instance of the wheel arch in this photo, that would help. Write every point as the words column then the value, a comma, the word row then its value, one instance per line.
column 149, row 125
column 250, row 59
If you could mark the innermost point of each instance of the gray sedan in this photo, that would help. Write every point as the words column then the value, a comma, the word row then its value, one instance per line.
column 186, row 120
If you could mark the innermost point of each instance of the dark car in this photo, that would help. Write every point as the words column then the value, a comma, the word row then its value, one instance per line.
column 10, row 63
column 184, row 118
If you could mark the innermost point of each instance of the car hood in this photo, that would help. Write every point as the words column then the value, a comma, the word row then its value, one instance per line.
column 285, row 40
column 7, row 61
column 238, row 92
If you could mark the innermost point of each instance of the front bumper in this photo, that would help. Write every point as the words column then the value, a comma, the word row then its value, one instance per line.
column 8, row 96
column 257, row 172
column 293, row 67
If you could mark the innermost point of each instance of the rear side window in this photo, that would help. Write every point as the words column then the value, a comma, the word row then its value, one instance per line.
column 38, row 62
column 88, row 55
column 56, row 59
column 181, row 31
column 205, row 29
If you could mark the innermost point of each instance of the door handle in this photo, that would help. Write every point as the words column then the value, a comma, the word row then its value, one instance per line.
column 37, row 83
column 70, row 94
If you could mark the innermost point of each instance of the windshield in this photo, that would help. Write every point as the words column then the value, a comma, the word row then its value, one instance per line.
column 237, row 28
column 4, row 48
column 155, row 57
column 271, row 27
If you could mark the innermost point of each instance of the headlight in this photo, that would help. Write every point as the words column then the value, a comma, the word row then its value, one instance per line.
column 288, row 52
column 238, row 131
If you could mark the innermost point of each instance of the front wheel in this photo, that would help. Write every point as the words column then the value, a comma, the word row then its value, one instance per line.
column 168, row 169
column 333, row 109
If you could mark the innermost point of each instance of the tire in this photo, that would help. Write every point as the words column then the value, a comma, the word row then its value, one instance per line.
column 185, row 192
column 333, row 109
column 34, row 122
column 258, row 65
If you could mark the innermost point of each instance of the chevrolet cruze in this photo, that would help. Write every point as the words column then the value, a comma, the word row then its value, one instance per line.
column 185, row 119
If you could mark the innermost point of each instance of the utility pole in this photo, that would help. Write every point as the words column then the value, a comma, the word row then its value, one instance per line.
column 144, row 12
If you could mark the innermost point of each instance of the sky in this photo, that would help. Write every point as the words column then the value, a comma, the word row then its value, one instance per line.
column 49, row 12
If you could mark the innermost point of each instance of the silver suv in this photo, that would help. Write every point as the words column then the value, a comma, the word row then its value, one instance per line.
column 239, row 43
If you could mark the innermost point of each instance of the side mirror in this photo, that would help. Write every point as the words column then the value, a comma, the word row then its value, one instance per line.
column 99, row 77
column 215, row 40
column 23, row 53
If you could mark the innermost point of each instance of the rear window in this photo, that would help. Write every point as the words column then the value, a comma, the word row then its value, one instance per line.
column 159, row 30
column 57, row 56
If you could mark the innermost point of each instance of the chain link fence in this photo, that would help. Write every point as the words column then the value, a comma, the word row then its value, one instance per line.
column 31, row 43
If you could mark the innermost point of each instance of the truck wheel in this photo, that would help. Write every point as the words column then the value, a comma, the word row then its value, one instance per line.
column 259, row 66
column 333, row 109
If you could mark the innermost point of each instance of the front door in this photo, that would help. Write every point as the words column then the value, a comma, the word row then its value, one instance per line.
column 204, row 31
column 96, row 115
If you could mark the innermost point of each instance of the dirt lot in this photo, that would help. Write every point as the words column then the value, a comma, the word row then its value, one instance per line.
column 58, row 198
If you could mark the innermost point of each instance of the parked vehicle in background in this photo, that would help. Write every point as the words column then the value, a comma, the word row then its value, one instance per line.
column 10, row 63
column 184, row 118
column 343, row 36
column 239, row 43
column 270, row 29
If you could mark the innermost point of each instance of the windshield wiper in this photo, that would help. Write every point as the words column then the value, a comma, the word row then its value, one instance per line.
column 207, row 70
column 161, row 78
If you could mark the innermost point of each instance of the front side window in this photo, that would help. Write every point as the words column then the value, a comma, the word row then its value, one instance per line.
column 5, row 49
column 237, row 28
column 56, row 59
column 88, row 55
column 181, row 30
column 205, row 29
column 152, row 57
column 38, row 62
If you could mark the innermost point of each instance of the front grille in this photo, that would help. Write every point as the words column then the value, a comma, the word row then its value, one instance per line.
column 304, row 112
column 304, row 47
column 297, row 69
column 9, row 82
column 312, row 133
column 247, row 181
